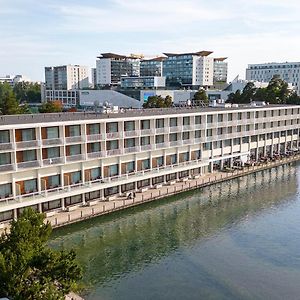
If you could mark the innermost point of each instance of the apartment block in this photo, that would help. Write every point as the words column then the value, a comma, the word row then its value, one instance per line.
column 152, row 67
column 63, row 82
column 220, row 69
column 288, row 71
column 54, row 162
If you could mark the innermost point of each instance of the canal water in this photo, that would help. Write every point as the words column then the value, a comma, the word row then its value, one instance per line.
column 235, row 240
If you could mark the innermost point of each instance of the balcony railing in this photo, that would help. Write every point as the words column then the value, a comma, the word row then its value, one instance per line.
column 161, row 130
column 130, row 133
column 162, row 145
column 113, row 135
column 96, row 154
column 187, row 142
column 6, row 146
column 51, row 142
column 75, row 157
column 27, row 144
column 114, row 152
column 73, row 139
column 53, row 161
column 199, row 126
column 147, row 131
column 175, row 129
column 175, row 143
column 147, row 147
column 94, row 137
column 131, row 149
column 187, row 127
column 28, row 164
column 8, row 167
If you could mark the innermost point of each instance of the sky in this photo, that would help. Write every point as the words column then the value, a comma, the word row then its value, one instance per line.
column 39, row 33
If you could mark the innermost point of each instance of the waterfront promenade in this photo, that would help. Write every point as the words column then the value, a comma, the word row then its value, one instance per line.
column 187, row 184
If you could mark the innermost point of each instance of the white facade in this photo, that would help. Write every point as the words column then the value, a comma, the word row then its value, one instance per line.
column 143, row 82
column 204, row 73
column 103, row 67
column 55, row 162
column 13, row 79
column 288, row 71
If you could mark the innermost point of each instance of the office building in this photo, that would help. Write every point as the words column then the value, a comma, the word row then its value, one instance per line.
column 54, row 162
column 112, row 67
column 63, row 82
column 152, row 67
column 14, row 79
column 288, row 71
column 189, row 70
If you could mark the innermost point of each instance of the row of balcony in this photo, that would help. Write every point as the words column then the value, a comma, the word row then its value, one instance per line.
column 88, row 184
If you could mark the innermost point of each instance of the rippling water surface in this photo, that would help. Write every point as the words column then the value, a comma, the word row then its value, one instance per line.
column 235, row 240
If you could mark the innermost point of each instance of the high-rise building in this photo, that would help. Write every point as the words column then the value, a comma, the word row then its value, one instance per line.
column 152, row 67
column 191, row 70
column 94, row 77
column 288, row 71
column 63, row 82
column 220, row 69
column 112, row 67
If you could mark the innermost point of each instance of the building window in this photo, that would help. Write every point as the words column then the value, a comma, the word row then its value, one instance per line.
column 129, row 143
column 5, row 159
column 186, row 120
column 198, row 120
column 52, row 133
column 30, row 186
column 145, row 124
column 173, row 122
column 146, row 164
column 28, row 134
column 29, row 155
column 93, row 147
column 209, row 119
column 111, row 127
column 112, row 145
column 73, row 150
column 145, row 140
column 73, row 130
column 159, row 139
column 129, row 126
column 5, row 190
column 4, row 136
column 209, row 132
column 186, row 135
column 230, row 117
column 93, row 129
column 207, row 146
column 160, row 123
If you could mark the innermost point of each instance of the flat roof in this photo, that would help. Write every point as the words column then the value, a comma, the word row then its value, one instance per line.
column 127, row 113
column 199, row 53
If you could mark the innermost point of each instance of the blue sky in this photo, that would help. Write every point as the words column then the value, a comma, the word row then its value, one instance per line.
column 35, row 33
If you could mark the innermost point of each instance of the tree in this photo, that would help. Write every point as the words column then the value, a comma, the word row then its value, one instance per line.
column 158, row 102
column 51, row 107
column 28, row 92
column 29, row 269
column 248, row 93
column 234, row 97
column 8, row 102
column 200, row 96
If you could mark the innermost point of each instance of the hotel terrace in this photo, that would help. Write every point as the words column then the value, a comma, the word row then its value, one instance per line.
column 55, row 162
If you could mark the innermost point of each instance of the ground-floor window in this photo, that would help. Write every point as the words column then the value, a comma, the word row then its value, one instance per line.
column 128, row 187
column 92, row 195
column 143, row 183
column 20, row 210
column 171, row 177
column 6, row 215
column 51, row 205
column 183, row 174
column 73, row 200
column 157, row 180
column 111, row 191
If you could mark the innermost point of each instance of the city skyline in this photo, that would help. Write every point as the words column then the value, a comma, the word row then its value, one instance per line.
column 37, row 34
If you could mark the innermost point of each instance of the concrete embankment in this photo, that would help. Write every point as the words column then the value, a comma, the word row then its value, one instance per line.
column 102, row 208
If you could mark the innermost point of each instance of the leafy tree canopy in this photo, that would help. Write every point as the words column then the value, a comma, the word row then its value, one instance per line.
column 27, row 92
column 29, row 269
column 158, row 102
column 277, row 92
column 51, row 107
column 200, row 96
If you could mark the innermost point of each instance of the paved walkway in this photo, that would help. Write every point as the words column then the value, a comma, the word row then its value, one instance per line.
column 106, row 207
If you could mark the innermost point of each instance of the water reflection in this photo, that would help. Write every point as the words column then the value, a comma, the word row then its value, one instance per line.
column 115, row 247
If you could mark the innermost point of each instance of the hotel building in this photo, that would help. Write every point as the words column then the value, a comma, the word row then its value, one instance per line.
column 54, row 162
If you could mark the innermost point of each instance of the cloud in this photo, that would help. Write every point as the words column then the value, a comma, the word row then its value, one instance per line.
column 137, row 16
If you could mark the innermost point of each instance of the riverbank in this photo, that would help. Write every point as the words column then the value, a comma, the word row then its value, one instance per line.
column 187, row 184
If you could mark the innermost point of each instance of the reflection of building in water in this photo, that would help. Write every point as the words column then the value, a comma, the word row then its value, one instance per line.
column 145, row 234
